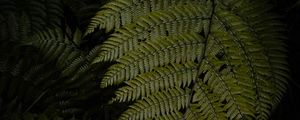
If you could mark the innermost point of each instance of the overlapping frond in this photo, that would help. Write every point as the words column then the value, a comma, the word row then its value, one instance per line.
column 36, row 63
column 25, row 17
column 170, row 59
column 153, row 26
column 237, row 44
column 55, row 46
column 43, row 13
column 176, row 115
column 151, row 54
column 161, row 103
column 230, row 53
column 204, row 104
column 118, row 13
column 272, row 40
column 174, row 75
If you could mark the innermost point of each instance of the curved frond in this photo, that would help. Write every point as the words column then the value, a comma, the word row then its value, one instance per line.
column 158, row 104
column 151, row 54
column 174, row 75
column 239, row 68
column 121, row 12
column 56, row 47
column 157, row 24
column 205, row 105
column 176, row 115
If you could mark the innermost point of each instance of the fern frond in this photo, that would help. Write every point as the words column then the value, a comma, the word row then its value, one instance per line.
column 161, row 103
column 272, row 40
column 121, row 12
column 44, row 13
column 239, row 68
column 188, row 47
column 53, row 44
column 152, row 27
column 56, row 47
column 174, row 75
column 205, row 105
column 175, row 115
column 221, row 83
column 30, row 72
column 244, row 38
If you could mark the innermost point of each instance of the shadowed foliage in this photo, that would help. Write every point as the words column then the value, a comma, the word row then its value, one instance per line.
column 143, row 59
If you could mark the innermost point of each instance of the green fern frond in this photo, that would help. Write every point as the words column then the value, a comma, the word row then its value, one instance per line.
column 174, row 75
column 24, row 18
column 153, row 26
column 221, row 84
column 55, row 46
column 151, row 54
column 245, row 39
column 239, row 68
column 33, row 59
column 205, row 105
column 121, row 12
column 175, row 115
column 271, row 39
column 44, row 12
column 161, row 103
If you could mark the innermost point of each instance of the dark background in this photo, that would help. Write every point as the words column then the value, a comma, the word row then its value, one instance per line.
column 289, row 107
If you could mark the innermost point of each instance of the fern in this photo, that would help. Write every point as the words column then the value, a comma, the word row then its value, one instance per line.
column 154, row 26
column 121, row 12
column 159, row 104
column 43, row 74
column 154, row 54
column 153, row 59
column 229, row 53
column 56, row 47
column 175, row 75
column 172, row 116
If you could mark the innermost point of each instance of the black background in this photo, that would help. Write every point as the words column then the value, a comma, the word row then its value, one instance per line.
column 289, row 106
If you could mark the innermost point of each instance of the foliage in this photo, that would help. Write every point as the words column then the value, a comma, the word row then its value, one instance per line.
column 153, row 59
column 239, row 57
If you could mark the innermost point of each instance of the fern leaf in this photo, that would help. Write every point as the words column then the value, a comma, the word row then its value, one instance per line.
column 236, row 47
column 176, row 115
column 189, row 47
column 161, row 103
column 121, row 12
column 73, row 66
column 255, row 63
column 153, row 27
column 55, row 47
column 205, row 105
column 271, row 39
column 229, row 91
column 174, row 75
